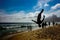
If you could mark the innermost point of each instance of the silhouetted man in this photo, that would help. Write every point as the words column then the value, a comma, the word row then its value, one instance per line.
column 43, row 24
column 39, row 21
column 53, row 23
column 49, row 23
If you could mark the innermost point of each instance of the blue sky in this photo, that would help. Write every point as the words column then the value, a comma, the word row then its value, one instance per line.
column 18, row 5
column 18, row 9
column 25, row 5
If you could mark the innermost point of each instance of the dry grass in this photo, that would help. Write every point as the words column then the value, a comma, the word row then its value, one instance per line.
column 51, row 33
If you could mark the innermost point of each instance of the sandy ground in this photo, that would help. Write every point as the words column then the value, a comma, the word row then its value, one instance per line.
column 50, row 33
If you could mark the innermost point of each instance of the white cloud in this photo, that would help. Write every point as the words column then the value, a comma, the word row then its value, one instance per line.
column 57, row 13
column 56, row 6
column 17, row 17
column 38, row 6
column 21, row 16
column 14, row 17
column 46, row 5
column 30, row 14
column 41, row 3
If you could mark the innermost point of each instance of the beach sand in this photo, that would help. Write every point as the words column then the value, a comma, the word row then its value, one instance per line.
column 50, row 33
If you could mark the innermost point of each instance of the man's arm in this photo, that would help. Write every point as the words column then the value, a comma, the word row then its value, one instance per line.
column 34, row 21
column 43, row 18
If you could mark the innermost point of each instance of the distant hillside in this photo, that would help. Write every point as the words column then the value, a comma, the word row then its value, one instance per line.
column 53, row 17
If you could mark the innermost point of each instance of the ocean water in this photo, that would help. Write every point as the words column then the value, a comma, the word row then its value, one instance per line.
column 9, row 28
